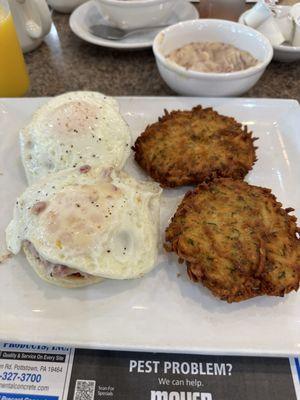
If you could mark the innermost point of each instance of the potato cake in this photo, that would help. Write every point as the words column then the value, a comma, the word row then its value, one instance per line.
column 237, row 240
column 190, row 147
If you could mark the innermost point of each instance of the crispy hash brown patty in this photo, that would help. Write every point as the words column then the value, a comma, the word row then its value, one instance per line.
column 190, row 147
column 237, row 240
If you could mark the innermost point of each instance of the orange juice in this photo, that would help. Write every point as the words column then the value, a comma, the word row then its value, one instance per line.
column 14, row 80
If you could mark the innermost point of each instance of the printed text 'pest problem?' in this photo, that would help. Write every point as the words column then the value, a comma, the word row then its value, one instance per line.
column 183, row 376
column 179, row 368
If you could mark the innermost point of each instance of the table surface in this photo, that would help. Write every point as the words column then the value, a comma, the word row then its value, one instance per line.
column 64, row 62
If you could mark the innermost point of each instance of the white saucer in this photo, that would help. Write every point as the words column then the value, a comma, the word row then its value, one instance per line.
column 88, row 14
column 283, row 53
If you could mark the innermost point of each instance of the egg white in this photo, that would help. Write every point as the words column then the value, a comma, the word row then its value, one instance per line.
column 73, row 129
column 101, row 222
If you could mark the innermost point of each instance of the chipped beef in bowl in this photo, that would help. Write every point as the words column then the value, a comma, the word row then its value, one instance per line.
column 211, row 57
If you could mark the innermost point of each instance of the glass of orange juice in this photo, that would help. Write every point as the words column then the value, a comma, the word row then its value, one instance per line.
column 14, row 80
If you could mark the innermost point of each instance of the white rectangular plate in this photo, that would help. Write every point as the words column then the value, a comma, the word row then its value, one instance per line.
column 162, row 311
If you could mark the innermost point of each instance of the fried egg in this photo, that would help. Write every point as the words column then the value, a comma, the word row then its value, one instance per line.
column 73, row 129
column 81, row 225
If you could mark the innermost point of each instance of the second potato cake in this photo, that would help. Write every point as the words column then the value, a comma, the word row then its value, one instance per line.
column 190, row 147
column 237, row 240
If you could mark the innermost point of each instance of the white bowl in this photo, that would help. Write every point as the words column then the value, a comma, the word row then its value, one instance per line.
column 283, row 52
column 65, row 6
column 193, row 83
column 133, row 14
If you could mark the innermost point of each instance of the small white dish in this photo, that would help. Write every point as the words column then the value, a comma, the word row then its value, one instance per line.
column 135, row 14
column 194, row 83
column 65, row 6
column 283, row 52
column 88, row 14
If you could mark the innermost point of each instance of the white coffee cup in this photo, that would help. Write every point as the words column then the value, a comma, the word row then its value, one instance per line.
column 32, row 19
column 65, row 6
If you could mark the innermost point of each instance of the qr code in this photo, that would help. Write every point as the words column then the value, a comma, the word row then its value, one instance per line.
column 84, row 390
